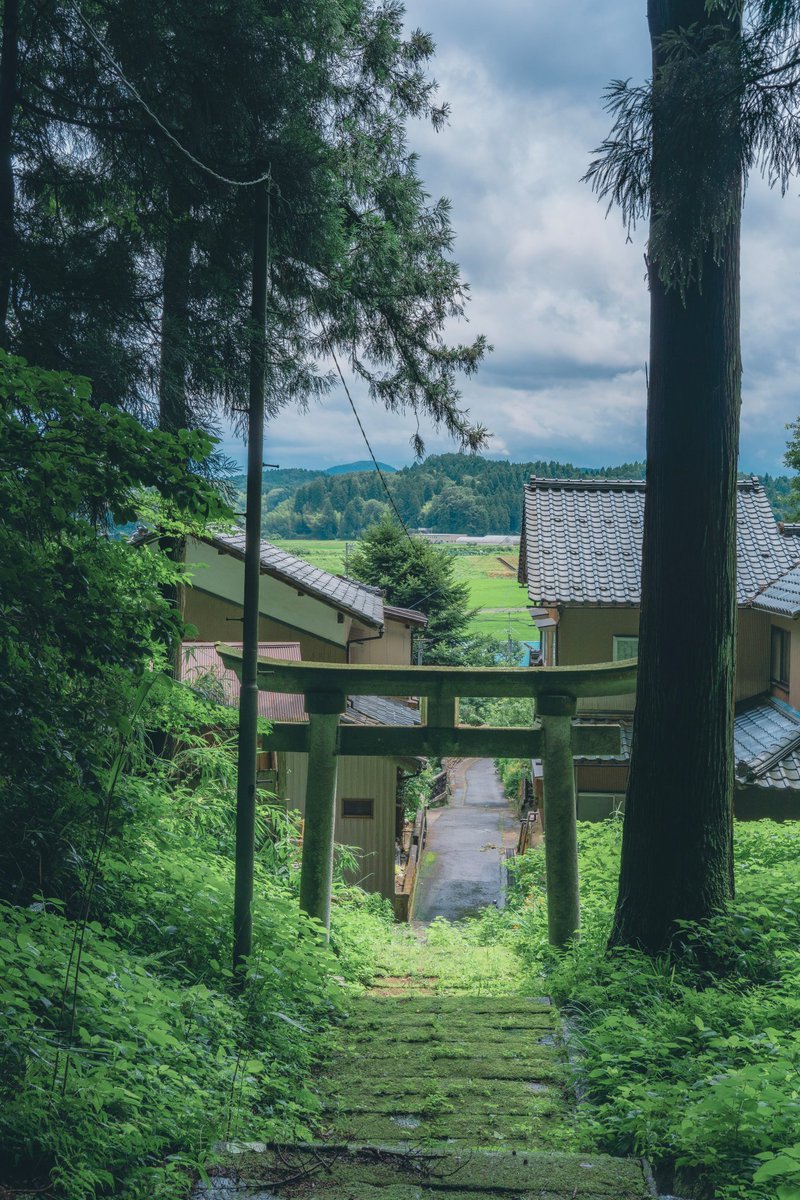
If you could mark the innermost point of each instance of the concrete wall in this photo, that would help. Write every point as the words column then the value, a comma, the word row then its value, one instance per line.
column 359, row 778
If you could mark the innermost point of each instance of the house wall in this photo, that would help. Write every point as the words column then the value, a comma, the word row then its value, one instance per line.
column 585, row 635
column 752, row 653
column 755, row 803
column 220, row 574
column 393, row 649
column 359, row 778
column 793, row 695
column 210, row 615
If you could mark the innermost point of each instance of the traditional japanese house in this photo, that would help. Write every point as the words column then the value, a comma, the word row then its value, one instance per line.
column 581, row 562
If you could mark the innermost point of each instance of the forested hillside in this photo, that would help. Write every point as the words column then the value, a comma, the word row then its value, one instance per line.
column 447, row 493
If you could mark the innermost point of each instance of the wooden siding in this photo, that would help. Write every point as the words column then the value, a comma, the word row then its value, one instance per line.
column 393, row 649
column 752, row 653
column 359, row 779
column 210, row 615
column 597, row 778
column 793, row 629
column 586, row 635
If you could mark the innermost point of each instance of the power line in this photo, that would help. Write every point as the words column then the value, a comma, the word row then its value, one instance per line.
column 265, row 178
column 375, row 462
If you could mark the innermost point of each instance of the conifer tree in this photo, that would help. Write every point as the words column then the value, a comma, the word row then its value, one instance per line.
column 723, row 97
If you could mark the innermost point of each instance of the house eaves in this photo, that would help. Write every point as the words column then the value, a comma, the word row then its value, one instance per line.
column 358, row 600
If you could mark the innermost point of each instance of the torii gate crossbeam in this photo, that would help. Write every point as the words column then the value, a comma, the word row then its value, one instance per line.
column 552, row 737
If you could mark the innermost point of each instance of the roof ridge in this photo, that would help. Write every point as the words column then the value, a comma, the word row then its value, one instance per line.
column 586, row 482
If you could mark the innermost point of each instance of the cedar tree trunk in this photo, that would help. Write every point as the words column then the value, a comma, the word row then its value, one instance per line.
column 8, row 97
column 173, row 409
column 677, row 855
column 172, row 406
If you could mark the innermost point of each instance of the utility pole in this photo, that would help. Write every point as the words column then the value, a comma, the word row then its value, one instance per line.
column 248, row 697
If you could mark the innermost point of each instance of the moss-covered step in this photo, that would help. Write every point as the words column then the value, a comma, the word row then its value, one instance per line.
column 381, row 1173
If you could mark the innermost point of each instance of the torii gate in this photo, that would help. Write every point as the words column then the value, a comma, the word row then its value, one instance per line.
column 552, row 737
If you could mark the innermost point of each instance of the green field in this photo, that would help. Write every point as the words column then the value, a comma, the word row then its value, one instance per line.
column 492, row 582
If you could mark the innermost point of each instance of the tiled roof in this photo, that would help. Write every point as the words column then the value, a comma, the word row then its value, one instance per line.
column 202, row 668
column 358, row 599
column 782, row 596
column 766, row 745
column 410, row 615
column 582, row 541
column 377, row 710
column 626, row 735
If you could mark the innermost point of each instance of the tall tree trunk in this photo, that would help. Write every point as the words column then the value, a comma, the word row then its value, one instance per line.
column 677, row 857
column 8, row 98
column 173, row 410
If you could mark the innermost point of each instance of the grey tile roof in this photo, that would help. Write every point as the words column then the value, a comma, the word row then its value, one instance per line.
column 202, row 667
column 583, row 541
column 626, row 735
column 358, row 599
column 377, row 710
column 782, row 596
column 766, row 745
column 411, row 615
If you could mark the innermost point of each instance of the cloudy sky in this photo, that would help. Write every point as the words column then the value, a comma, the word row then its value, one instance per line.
column 555, row 287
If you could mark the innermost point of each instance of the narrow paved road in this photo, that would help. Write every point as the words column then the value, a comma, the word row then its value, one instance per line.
column 463, row 868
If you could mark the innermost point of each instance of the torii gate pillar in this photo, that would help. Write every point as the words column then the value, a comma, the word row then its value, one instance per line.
column 316, row 875
column 561, row 840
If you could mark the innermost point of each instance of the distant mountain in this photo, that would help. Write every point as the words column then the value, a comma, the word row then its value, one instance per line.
column 364, row 465
column 449, row 493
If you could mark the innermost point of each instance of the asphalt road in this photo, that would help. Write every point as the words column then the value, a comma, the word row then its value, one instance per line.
column 463, row 868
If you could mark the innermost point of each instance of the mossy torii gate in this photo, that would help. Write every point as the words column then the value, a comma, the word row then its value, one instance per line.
column 552, row 737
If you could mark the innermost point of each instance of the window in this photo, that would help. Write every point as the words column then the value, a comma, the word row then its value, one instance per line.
column 624, row 647
column 358, row 808
column 780, row 641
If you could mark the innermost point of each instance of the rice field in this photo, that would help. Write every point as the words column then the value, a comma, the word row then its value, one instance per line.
column 490, row 573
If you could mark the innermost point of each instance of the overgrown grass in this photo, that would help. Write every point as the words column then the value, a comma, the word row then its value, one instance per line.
column 126, row 1051
column 692, row 1059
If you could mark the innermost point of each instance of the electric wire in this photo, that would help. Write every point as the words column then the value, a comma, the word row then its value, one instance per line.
column 375, row 462
column 117, row 69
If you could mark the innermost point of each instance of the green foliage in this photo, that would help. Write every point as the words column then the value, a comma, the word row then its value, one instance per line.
column 416, row 790
column 159, row 1060
column 415, row 574
column 692, row 1058
column 84, row 614
column 451, row 493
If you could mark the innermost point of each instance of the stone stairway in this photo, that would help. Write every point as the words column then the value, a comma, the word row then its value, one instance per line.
column 430, row 1094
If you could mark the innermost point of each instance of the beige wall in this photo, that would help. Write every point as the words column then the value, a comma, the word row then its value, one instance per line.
column 209, row 614
column 586, row 635
column 393, row 649
column 793, row 627
column 752, row 653
column 360, row 778
column 221, row 574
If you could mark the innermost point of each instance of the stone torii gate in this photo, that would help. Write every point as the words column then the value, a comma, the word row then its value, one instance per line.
column 552, row 737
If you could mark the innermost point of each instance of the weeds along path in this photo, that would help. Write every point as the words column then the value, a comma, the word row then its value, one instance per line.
column 447, row 1081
